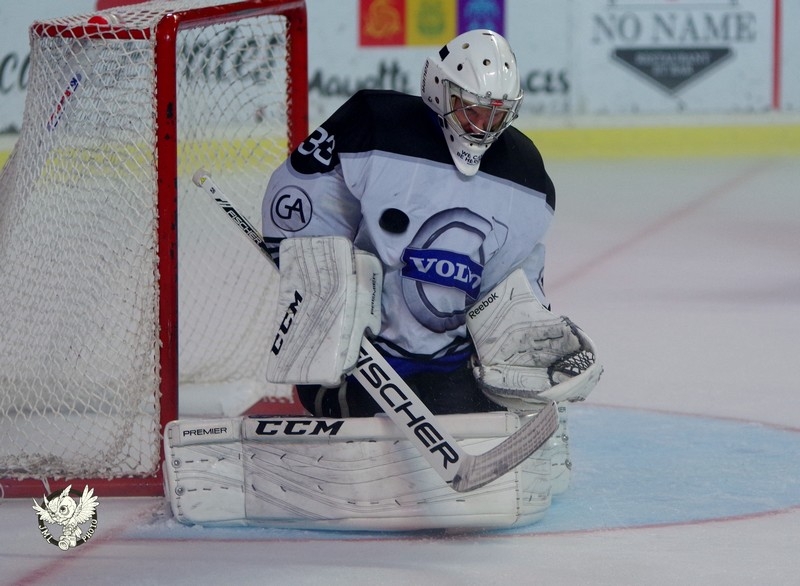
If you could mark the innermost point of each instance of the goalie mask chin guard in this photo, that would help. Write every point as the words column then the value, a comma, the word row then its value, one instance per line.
column 473, row 86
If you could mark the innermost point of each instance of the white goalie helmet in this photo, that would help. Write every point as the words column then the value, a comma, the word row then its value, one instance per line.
column 472, row 83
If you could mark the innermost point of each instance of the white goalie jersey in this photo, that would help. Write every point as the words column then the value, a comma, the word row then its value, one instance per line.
column 379, row 173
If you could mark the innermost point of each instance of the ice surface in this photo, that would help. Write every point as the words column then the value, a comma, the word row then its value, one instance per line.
column 686, row 273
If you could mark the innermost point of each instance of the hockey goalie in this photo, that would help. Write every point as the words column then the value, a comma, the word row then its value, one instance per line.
column 411, row 319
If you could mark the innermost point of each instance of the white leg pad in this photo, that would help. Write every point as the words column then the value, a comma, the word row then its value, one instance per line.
column 341, row 474
column 557, row 451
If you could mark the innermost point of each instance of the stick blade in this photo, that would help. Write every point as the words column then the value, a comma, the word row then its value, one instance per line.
column 482, row 469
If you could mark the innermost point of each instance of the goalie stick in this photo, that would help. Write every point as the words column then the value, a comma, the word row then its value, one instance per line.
column 462, row 471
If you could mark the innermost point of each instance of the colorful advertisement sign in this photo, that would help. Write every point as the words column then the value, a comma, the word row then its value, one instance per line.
column 386, row 23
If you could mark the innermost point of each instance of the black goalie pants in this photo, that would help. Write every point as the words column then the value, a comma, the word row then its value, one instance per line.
column 443, row 392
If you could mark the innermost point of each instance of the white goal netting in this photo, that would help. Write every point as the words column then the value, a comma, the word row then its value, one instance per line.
column 91, row 199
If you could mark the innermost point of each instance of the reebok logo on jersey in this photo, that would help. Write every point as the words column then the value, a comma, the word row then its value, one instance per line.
column 444, row 268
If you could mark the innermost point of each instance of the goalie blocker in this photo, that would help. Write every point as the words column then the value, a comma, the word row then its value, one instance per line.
column 341, row 474
column 329, row 296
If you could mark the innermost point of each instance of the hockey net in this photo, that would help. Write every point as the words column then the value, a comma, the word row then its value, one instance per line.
column 121, row 286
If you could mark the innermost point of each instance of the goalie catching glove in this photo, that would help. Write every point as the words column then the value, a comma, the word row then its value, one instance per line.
column 526, row 355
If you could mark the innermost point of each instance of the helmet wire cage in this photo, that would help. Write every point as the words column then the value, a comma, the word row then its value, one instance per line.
column 480, row 119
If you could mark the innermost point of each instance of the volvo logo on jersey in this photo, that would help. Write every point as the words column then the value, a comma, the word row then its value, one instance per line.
column 443, row 267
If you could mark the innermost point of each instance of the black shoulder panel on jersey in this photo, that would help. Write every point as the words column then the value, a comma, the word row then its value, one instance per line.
column 514, row 157
column 372, row 120
column 394, row 122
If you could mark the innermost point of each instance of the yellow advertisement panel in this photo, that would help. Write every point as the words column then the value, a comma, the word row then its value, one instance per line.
column 430, row 22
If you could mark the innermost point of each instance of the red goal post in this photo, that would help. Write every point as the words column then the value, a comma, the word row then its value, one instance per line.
column 121, row 287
